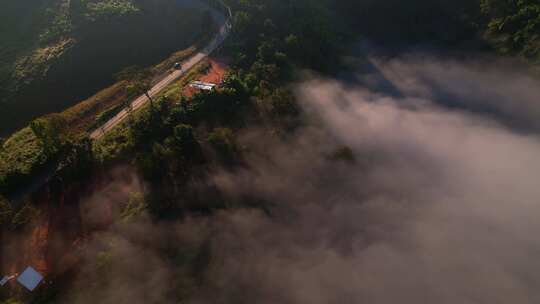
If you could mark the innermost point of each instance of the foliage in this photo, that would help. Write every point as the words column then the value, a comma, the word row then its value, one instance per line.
column 44, row 147
column 217, row 107
column 109, row 9
column 134, row 208
column 439, row 22
column 149, row 127
column 271, row 33
column 21, row 157
column 516, row 24
column 50, row 131
column 106, row 115
column 76, row 160
column 283, row 104
column 59, row 25
column 183, row 142
column 27, row 214
column 116, row 145
column 37, row 64
column 222, row 140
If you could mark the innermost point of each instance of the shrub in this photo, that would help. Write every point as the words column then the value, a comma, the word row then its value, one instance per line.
column 26, row 215
column 222, row 140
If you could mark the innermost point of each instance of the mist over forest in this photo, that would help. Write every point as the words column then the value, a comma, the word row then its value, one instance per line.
column 377, row 199
column 354, row 152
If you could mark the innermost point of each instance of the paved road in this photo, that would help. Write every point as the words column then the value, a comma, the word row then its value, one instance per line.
column 224, row 30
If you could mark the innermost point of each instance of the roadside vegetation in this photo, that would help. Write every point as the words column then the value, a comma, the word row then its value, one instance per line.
column 22, row 156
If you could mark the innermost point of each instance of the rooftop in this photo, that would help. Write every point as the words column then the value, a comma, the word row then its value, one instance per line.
column 30, row 278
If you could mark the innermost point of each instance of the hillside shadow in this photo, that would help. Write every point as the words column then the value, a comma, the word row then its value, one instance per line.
column 360, row 69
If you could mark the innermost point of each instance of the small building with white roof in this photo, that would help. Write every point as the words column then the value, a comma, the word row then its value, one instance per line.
column 205, row 86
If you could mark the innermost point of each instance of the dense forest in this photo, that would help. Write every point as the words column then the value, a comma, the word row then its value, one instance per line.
column 510, row 26
column 515, row 25
column 175, row 145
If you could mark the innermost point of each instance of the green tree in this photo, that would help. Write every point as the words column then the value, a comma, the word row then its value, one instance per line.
column 184, row 140
column 50, row 130
column 77, row 162
column 515, row 23
column 283, row 104
column 135, row 207
column 24, row 216
column 222, row 140
column 148, row 128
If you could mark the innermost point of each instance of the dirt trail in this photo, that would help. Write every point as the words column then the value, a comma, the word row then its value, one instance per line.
column 37, row 253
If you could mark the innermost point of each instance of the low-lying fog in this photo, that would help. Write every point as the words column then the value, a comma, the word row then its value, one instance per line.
column 441, row 203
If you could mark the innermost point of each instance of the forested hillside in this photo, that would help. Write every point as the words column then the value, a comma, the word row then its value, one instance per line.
column 514, row 25
column 410, row 22
column 511, row 27
column 266, row 190
column 73, row 48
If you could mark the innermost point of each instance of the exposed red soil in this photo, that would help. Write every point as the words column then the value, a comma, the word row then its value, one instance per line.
column 37, row 256
column 216, row 73
column 68, row 217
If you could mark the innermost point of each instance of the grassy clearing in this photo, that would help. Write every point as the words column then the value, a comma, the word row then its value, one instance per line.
column 83, row 115
column 20, row 157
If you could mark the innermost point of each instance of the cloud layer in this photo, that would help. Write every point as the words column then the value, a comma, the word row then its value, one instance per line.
column 440, row 204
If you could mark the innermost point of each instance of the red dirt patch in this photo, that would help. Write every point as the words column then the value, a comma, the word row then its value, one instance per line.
column 26, row 248
column 37, row 248
column 67, row 218
column 216, row 73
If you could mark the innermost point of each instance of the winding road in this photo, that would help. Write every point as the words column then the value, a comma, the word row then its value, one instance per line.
column 224, row 30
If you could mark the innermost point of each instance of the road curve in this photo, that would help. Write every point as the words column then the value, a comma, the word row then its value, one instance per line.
column 140, row 101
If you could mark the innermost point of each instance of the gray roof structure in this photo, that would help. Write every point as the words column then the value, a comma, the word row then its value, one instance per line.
column 30, row 278
column 206, row 86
